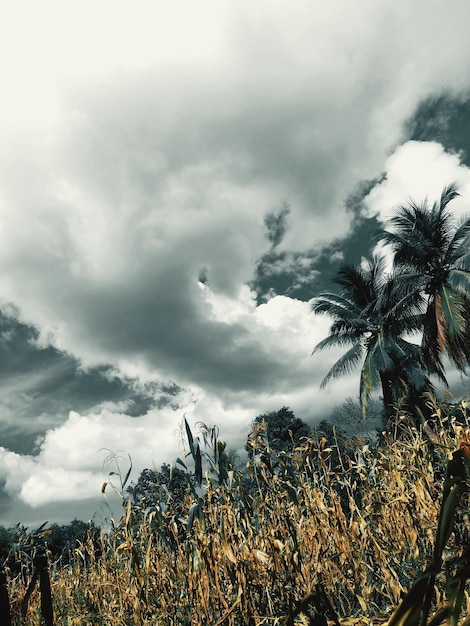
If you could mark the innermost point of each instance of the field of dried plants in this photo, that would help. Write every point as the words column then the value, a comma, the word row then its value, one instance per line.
column 315, row 536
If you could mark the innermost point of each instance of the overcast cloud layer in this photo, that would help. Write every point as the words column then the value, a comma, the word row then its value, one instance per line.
column 142, row 148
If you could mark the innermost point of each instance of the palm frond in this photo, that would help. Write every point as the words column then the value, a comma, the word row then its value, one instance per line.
column 357, row 284
column 370, row 379
column 463, row 261
column 345, row 364
column 400, row 297
column 442, row 220
column 431, row 352
column 377, row 266
column 412, row 250
column 449, row 193
column 459, row 280
column 334, row 340
column 460, row 242
column 356, row 327
column 449, row 313
column 386, row 362
column 334, row 305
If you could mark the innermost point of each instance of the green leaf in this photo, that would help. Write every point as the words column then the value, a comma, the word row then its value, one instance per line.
column 191, row 515
column 189, row 435
column 451, row 308
column 180, row 462
column 198, row 465
column 409, row 610
column 126, row 477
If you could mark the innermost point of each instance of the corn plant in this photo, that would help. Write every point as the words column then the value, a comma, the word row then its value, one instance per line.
column 416, row 606
column 315, row 535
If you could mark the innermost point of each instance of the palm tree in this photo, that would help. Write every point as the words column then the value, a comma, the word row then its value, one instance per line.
column 371, row 315
column 432, row 257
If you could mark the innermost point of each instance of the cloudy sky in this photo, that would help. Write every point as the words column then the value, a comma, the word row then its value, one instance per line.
column 177, row 182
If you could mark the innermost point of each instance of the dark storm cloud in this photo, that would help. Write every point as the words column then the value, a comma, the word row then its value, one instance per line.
column 171, row 329
column 39, row 386
column 444, row 118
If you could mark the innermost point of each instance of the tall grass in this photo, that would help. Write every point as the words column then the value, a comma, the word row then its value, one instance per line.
column 314, row 536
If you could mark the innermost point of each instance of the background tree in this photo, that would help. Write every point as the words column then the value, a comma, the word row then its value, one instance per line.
column 283, row 430
column 350, row 418
column 339, row 447
column 64, row 538
column 169, row 485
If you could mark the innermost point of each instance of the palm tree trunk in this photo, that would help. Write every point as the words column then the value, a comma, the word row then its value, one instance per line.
column 387, row 395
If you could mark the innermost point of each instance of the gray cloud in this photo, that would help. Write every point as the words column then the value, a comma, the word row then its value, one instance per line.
column 39, row 386
column 133, row 224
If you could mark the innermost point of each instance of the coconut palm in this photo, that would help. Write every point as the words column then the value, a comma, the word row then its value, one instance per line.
column 432, row 252
column 372, row 316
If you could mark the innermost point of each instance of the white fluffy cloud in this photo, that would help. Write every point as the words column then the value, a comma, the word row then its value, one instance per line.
column 72, row 459
column 419, row 171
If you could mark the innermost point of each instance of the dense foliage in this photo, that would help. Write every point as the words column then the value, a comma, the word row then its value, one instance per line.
column 59, row 539
column 282, row 430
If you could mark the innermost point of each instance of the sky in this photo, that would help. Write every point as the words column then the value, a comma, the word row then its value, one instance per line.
column 178, row 181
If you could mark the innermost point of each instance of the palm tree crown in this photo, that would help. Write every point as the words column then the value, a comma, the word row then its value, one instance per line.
column 371, row 315
column 432, row 257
